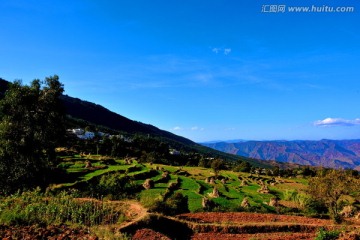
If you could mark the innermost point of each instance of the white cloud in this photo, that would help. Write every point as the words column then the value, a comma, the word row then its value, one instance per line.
column 227, row 51
column 187, row 129
column 217, row 50
column 196, row 128
column 327, row 122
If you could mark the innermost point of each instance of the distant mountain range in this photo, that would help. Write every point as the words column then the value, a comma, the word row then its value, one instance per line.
column 327, row 153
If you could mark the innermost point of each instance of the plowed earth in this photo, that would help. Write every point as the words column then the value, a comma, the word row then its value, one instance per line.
column 255, row 226
column 224, row 226
column 257, row 236
column 148, row 234
column 50, row 232
column 251, row 218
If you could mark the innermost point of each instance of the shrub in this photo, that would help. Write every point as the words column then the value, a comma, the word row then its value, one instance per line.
column 290, row 194
column 330, row 187
column 175, row 204
column 315, row 207
column 113, row 185
column 293, row 195
column 322, row 234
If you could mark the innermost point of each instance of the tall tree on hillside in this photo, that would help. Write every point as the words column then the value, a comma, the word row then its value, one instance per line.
column 329, row 187
column 31, row 126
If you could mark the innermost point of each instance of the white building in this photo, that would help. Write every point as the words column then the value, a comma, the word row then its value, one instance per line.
column 78, row 131
column 85, row 135
column 174, row 152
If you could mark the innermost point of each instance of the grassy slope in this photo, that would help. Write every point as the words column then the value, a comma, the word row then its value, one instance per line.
column 191, row 179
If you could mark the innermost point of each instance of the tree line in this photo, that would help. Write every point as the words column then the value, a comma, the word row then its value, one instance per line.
column 32, row 124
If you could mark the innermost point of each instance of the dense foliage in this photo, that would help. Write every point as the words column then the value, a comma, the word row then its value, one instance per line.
column 329, row 186
column 175, row 204
column 31, row 126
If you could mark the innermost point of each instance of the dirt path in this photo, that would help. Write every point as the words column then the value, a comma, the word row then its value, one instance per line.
column 134, row 212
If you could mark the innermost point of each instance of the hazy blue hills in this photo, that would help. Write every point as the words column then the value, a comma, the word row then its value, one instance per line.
column 327, row 153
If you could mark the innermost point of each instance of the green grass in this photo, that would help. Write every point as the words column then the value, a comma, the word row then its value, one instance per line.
column 34, row 207
column 88, row 176
column 188, row 184
column 192, row 186
column 194, row 200
column 77, row 170
column 148, row 197
column 173, row 178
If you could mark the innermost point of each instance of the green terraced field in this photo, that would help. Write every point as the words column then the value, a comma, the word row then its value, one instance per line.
column 191, row 182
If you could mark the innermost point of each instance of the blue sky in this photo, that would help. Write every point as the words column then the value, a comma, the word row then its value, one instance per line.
column 202, row 69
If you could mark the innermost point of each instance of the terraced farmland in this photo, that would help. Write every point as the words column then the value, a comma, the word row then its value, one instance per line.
column 194, row 182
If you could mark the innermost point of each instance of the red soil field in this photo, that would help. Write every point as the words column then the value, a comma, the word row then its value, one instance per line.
column 251, row 218
column 50, row 232
column 257, row 236
column 148, row 234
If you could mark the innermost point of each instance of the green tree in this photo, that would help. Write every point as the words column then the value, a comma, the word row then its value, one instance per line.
column 202, row 162
column 276, row 171
column 242, row 166
column 217, row 165
column 31, row 126
column 330, row 187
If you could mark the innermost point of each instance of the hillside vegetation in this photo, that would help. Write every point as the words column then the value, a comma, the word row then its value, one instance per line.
column 55, row 183
column 175, row 197
column 112, row 178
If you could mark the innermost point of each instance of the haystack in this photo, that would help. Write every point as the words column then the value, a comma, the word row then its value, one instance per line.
column 148, row 184
column 245, row 203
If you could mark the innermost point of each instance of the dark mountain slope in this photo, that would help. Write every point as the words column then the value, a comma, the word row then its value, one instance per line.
column 327, row 153
column 98, row 115
column 3, row 86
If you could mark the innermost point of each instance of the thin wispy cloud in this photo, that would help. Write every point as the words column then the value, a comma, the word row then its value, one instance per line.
column 194, row 128
column 203, row 77
column 173, row 71
column 328, row 122
column 216, row 50
column 224, row 51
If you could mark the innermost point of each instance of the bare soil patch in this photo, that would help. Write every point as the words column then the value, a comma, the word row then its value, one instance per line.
column 49, row 232
column 251, row 218
column 148, row 234
column 257, row 236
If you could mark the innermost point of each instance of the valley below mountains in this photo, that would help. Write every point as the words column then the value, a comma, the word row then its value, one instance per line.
column 326, row 153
